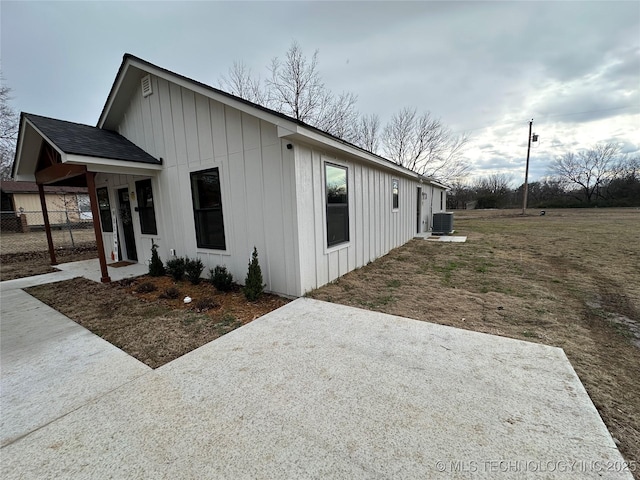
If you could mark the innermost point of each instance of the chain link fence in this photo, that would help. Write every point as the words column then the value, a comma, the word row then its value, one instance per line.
column 23, row 231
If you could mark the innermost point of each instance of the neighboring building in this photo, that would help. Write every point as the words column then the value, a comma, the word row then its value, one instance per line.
column 203, row 173
column 63, row 203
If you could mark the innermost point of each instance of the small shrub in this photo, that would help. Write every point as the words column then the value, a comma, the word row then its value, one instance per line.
column 156, row 267
column 146, row 287
column 221, row 278
column 175, row 267
column 170, row 293
column 205, row 304
column 253, row 286
column 193, row 269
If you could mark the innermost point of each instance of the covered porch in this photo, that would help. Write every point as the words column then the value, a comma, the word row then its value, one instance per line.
column 60, row 153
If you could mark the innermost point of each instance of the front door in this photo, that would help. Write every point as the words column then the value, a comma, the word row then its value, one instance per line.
column 126, row 220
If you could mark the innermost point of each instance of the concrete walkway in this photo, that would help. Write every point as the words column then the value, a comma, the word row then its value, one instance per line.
column 311, row 390
column 51, row 365
column 89, row 269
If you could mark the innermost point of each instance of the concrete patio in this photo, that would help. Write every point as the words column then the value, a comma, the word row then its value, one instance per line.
column 311, row 390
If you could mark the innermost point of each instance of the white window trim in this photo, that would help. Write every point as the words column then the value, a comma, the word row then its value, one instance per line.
column 345, row 165
column 226, row 200
column 395, row 209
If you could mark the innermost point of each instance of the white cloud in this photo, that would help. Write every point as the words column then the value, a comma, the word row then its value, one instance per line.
column 483, row 67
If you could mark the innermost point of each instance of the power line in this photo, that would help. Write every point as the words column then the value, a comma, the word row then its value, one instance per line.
column 587, row 111
column 544, row 116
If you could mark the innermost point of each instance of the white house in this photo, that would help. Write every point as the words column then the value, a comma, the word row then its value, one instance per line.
column 202, row 173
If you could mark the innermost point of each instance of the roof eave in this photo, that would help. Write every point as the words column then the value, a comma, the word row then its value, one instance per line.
column 284, row 123
column 310, row 136
column 112, row 165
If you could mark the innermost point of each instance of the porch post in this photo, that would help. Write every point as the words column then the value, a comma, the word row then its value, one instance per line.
column 95, row 213
column 47, row 226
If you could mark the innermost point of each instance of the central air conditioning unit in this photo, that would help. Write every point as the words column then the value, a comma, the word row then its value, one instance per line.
column 442, row 223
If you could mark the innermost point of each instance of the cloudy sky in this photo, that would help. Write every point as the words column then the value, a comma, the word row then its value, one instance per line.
column 485, row 68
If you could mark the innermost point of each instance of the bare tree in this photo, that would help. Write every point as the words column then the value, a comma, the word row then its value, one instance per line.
column 338, row 116
column 8, row 132
column 496, row 183
column 492, row 191
column 241, row 82
column 295, row 86
column 460, row 194
column 588, row 170
column 424, row 145
column 367, row 134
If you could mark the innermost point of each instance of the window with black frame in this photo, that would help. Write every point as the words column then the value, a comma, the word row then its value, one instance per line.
column 146, row 210
column 396, row 191
column 337, row 204
column 105, row 210
column 207, row 209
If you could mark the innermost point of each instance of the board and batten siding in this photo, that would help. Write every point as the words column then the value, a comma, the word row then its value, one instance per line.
column 191, row 132
column 375, row 227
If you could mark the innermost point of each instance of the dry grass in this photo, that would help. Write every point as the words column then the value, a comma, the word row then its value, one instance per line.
column 570, row 279
column 36, row 241
column 152, row 329
column 27, row 264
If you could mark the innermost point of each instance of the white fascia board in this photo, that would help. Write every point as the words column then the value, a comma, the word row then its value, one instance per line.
column 18, row 155
column 285, row 127
column 120, row 170
column 113, row 96
column 194, row 87
column 318, row 139
column 435, row 183
column 109, row 165
column 55, row 147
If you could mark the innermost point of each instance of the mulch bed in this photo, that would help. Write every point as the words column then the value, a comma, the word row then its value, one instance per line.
column 132, row 315
column 230, row 302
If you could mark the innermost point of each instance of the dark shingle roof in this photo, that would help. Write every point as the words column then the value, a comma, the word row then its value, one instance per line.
column 78, row 139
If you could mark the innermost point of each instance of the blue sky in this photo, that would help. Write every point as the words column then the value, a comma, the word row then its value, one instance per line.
column 485, row 68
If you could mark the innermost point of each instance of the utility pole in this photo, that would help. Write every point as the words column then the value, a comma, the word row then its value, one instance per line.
column 526, row 173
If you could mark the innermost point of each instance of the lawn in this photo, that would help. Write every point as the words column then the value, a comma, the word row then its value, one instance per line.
column 27, row 263
column 570, row 279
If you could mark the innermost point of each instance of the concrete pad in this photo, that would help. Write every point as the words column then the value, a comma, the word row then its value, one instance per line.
column 448, row 238
column 51, row 365
column 90, row 269
column 317, row 390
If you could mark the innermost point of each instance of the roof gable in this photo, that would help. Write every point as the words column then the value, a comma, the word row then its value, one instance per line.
column 133, row 69
column 79, row 139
